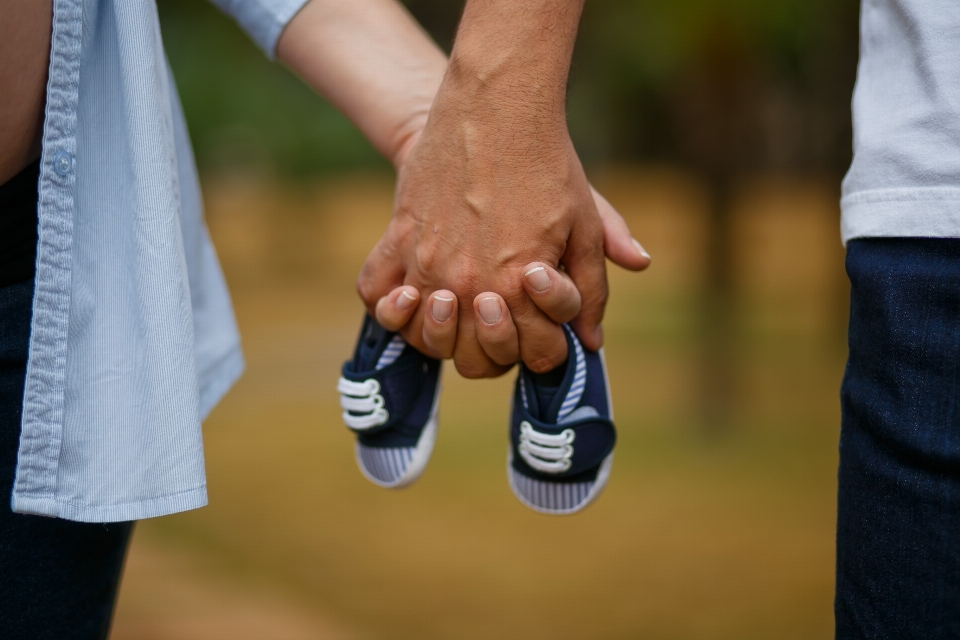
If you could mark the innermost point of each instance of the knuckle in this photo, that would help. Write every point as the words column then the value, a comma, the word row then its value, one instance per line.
column 563, row 303
column 426, row 257
column 595, row 296
column 590, row 248
column 472, row 370
column 513, row 296
column 507, row 358
column 388, row 320
column 565, row 314
column 546, row 362
column 365, row 290
column 435, row 345
column 502, row 352
column 469, row 281
column 600, row 296
column 494, row 339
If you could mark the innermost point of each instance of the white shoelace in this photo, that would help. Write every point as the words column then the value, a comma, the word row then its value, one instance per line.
column 362, row 398
column 545, row 452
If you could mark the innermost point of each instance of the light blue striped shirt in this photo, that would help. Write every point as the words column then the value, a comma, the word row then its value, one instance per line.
column 133, row 338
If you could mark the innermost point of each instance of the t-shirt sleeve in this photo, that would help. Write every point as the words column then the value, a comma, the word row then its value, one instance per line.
column 263, row 20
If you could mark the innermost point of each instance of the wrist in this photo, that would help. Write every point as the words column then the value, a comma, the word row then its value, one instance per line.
column 488, row 104
column 504, row 88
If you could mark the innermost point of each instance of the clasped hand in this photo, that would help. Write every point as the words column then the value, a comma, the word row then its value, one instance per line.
column 496, row 239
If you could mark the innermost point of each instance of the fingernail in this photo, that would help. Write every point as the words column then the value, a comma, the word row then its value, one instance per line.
column 538, row 279
column 405, row 301
column 640, row 248
column 489, row 310
column 442, row 308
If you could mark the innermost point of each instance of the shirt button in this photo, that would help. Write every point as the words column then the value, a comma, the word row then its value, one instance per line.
column 63, row 162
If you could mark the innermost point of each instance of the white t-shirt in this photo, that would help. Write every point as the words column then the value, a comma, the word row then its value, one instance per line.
column 905, row 175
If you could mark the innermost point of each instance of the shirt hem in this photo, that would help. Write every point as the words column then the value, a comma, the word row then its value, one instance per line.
column 53, row 508
column 222, row 377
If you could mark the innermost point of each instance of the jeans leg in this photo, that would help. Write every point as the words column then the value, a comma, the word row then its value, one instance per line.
column 898, row 525
column 58, row 579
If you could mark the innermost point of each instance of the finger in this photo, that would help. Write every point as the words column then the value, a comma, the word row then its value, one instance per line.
column 395, row 309
column 622, row 249
column 552, row 291
column 585, row 264
column 412, row 332
column 382, row 272
column 543, row 346
column 440, row 323
column 495, row 329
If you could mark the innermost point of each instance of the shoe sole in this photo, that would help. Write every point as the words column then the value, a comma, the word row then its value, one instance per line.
column 421, row 453
column 603, row 475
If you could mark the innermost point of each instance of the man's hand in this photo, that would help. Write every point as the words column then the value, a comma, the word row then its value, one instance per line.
column 474, row 206
column 491, row 182
column 494, row 183
column 550, row 290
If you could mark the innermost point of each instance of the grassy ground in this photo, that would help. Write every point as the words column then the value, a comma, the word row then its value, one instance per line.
column 700, row 534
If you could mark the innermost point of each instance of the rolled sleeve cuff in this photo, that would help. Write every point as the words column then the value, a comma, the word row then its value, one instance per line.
column 263, row 20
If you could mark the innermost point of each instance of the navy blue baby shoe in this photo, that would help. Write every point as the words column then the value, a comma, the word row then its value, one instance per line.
column 390, row 394
column 562, row 437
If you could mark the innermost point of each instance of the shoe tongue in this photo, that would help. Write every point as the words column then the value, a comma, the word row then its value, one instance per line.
column 373, row 339
column 548, row 398
column 545, row 396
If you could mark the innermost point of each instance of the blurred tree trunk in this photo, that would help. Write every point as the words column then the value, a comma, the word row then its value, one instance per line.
column 716, row 325
column 717, row 141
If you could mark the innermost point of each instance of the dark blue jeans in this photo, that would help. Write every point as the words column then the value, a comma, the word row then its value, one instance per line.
column 898, row 528
column 58, row 579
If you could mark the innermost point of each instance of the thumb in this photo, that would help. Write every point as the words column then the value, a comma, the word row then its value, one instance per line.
column 618, row 244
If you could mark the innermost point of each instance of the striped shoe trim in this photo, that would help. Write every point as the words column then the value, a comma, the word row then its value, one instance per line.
column 580, row 414
column 551, row 497
column 523, row 391
column 387, row 464
column 391, row 353
column 606, row 383
column 579, row 379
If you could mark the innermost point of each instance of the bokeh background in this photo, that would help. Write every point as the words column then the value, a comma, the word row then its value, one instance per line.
column 720, row 129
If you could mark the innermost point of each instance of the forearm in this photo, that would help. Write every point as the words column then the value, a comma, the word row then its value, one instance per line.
column 372, row 61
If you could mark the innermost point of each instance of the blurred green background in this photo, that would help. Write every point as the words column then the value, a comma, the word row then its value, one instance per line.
column 747, row 84
column 720, row 130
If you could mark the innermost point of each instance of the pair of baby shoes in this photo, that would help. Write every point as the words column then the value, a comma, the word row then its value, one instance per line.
column 561, row 431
